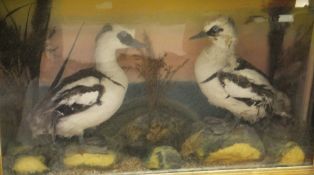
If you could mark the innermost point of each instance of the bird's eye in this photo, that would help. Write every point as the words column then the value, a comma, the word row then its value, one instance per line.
column 214, row 30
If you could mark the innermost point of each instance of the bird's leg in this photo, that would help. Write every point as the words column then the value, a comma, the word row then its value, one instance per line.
column 81, row 139
column 53, row 135
column 53, row 138
column 234, row 121
column 57, row 115
column 235, row 124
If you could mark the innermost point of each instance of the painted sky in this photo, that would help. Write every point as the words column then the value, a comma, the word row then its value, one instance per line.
column 169, row 24
column 170, row 40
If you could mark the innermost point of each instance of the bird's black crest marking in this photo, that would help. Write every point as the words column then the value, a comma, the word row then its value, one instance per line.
column 84, row 73
column 210, row 78
column 231, row 22
column 105, row 28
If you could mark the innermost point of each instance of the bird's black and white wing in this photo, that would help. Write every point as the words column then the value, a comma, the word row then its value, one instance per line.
column 281, row 104
column 86, row 77
column 244, row 90
column 78, row 93
column 245, row 83
column 73, row 94
column 254, row 75
column 72, row 101
column 78, row 99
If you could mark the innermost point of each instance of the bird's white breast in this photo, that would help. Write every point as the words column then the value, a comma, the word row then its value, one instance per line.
column 209, row 62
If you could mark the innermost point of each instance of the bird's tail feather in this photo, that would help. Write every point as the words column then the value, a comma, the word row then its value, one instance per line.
column 282, row 105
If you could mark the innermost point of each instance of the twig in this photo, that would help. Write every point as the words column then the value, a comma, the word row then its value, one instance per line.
column 60, row 72
column 26, row 23
column 9, row 13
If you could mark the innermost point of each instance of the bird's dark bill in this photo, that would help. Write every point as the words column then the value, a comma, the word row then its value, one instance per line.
column 128, row 40
column 136, row 44
column 200, row 35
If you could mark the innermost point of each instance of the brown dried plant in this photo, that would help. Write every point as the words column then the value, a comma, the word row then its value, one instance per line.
column 156, row 72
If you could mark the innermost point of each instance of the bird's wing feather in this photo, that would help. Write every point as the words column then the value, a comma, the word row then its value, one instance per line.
column 240, row 87
column 73, row 94
column 45, row 116
column 78, row 99
column 253, row 74
column 72, row 101
column 83, row 74
column 210, row 78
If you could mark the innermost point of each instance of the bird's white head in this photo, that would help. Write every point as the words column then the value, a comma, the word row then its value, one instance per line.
column 113, row 37
column 220, row 30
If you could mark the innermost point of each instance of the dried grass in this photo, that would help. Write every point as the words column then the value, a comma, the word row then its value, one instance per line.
column 156, row 72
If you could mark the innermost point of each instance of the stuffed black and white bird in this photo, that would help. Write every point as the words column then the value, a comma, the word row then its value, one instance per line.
column 90, row 96
column 232, row 83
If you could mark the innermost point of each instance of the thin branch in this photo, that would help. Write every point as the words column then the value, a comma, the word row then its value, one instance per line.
column 10, row 13
column 26, row 23
column 60, row 73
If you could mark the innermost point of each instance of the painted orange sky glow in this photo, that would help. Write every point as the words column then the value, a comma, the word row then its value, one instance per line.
column 172, row 40
column 168, row 25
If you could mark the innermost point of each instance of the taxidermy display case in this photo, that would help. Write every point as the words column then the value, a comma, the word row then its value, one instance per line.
column 173, row 87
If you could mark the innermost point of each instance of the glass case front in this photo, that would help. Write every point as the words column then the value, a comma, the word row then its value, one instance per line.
column 112, row 86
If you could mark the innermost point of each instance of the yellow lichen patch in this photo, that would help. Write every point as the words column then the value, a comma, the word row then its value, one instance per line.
column 293, row 155
column 191, row 144
column 164, row 157
column 30, row 165
column 200, row 153
column 153, row 162
column 90, row 160
column 237, row 153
